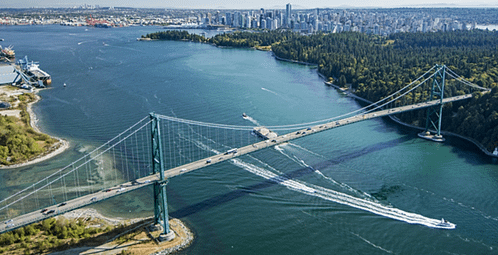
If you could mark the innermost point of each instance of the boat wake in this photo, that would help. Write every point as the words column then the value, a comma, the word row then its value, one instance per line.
column 335, row 196
column 273, row 92
column 370, row 243
column 317, row 171
column 341, row 198
column 249, row 118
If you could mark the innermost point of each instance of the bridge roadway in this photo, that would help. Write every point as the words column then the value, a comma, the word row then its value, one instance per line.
column 82, row 201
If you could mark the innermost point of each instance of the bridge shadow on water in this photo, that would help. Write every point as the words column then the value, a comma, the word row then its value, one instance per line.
column 243, row 191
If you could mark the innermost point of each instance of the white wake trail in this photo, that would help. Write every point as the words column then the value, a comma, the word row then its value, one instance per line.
column 341, row 198
column 273, row 92
column 253, row 121
column 334, row 196
column 304, row 164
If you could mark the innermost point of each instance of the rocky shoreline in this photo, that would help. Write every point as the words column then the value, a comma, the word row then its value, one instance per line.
column 183, row 236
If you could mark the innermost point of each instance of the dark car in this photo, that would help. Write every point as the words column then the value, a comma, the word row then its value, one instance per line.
column 44, row 210
column 49, row 212
column 62, row 204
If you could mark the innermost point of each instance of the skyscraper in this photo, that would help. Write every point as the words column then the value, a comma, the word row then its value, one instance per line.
column 288, row 14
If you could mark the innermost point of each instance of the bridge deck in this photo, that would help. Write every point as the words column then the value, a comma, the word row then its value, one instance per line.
column 82, row 201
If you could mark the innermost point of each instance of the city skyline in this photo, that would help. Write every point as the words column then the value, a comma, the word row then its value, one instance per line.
column 256, row 4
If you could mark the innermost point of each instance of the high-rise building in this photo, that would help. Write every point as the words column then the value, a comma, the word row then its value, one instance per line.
column 228, row 16
column 288, row 14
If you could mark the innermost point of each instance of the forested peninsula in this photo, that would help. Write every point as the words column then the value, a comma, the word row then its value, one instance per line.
column 374, row 66
column 19, row 141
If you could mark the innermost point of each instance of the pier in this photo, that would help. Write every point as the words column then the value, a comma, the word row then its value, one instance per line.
column 31, row 74
column 24, row 74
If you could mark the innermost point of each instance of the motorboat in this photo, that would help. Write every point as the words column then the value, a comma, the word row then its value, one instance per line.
column 445, row 224
column 244, row 115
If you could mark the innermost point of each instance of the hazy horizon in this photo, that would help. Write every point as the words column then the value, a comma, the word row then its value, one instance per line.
column 255, row 4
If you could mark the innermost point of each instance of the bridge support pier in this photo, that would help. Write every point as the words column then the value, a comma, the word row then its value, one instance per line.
column 160, row 199
column 432, row 129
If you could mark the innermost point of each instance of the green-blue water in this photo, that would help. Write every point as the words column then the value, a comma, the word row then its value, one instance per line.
column 113, row 81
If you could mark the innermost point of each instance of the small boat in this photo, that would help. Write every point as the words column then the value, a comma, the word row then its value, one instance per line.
column 244, row 115
column 445, row 224
column 64, row 84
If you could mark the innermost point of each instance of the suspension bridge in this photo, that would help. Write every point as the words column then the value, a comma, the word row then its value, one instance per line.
column 160, row 147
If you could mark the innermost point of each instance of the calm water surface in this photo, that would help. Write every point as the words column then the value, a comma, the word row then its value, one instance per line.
column 113, row 81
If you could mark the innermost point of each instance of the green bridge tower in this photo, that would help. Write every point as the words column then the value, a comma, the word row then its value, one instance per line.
column 161, row 217
column 432, row 129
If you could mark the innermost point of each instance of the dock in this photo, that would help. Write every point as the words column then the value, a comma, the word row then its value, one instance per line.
column 33, row 75
column 24, row 74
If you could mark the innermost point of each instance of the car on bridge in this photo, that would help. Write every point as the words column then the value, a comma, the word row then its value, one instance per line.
column 9, row 221
column 63, row 204
column 49, row 212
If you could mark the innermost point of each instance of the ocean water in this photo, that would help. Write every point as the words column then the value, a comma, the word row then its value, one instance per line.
column 113, row 80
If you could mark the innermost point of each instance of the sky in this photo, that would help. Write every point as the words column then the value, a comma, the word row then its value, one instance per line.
column 247, row 4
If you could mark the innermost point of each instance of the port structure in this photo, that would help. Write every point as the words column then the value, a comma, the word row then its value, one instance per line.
column 28, row 75
column 158, row 148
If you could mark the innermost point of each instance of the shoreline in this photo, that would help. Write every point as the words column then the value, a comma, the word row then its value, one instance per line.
column 56, row 149
column 349, row 94
column 399, row 122
column 293, row 61
column 184, row 237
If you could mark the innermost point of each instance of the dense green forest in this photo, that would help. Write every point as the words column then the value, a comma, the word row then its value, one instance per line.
column 375, row 66
column 175, row 35
column 47, row 236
